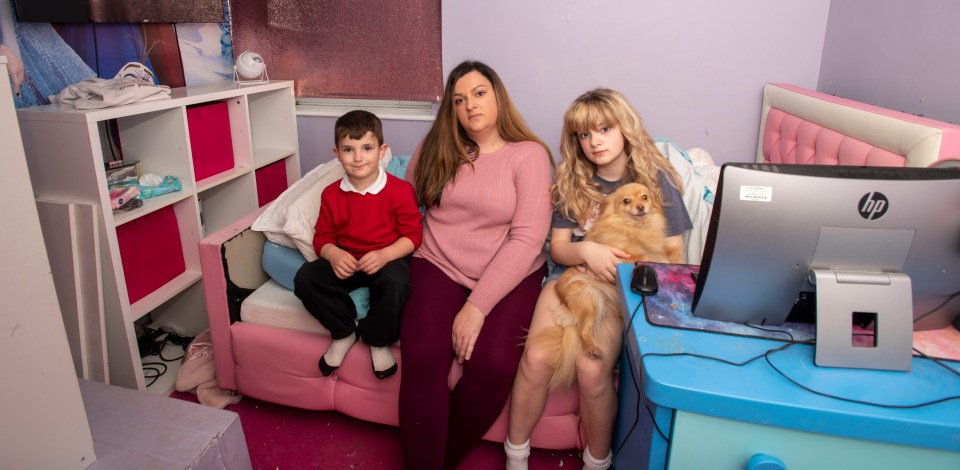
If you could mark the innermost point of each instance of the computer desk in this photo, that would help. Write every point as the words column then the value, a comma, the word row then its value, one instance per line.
column 689, row 412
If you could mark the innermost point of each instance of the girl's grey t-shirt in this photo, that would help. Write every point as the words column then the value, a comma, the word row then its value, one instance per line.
column 678, row 219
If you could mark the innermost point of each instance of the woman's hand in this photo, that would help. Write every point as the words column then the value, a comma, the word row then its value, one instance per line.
column 466, row 329
column 602, row 260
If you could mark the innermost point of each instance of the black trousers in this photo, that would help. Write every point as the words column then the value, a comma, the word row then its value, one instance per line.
column 327, row 298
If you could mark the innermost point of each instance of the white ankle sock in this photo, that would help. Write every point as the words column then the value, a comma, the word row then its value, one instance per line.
column 382, row 358
column 517, row 455
column 590, row 463
column 338, row 350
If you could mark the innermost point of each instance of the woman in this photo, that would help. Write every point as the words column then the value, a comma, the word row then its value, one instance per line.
column 484, row 178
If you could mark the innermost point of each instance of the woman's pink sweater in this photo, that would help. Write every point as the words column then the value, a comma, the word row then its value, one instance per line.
column 489, row 230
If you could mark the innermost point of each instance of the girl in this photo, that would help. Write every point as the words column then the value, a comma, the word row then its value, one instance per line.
column 485, row 178
column 604, row 145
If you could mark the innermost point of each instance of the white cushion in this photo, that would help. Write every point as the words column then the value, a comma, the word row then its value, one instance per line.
column 289, row 219
column 274, row 305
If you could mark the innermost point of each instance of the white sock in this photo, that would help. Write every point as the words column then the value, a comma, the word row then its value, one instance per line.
column 382, row 358
column 517, row 455
column 590, row 463
column 338, row 350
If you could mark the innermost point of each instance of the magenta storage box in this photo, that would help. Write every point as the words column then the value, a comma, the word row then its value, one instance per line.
column 150, row 252
column 210, row 141
column 271, row 182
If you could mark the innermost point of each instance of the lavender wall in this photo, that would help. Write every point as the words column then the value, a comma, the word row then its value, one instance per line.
column 316, row 138
column 694, row 69
column 895, row 54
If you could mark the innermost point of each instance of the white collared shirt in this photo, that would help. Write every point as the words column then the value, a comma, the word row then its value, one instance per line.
column 374, row 188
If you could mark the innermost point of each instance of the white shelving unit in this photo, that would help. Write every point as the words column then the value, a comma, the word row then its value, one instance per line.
column 66, row 149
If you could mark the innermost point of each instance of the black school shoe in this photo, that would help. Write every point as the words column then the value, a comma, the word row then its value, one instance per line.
column 382, row 374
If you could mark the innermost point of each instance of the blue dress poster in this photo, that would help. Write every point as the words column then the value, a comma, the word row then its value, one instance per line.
column 45, row 58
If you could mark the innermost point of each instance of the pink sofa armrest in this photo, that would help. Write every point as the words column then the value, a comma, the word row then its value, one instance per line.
column 243, row 248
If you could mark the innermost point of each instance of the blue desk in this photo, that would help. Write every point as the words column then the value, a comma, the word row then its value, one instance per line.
column 702, row 413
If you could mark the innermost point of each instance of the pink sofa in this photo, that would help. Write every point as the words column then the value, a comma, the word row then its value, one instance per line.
column 278, row 364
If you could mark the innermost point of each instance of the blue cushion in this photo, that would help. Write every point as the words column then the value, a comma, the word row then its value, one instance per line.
column 281, row 263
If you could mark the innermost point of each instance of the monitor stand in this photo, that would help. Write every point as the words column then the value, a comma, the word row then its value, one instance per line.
column 884, row 297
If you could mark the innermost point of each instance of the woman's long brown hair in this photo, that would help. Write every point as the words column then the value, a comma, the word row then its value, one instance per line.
column 447, row 145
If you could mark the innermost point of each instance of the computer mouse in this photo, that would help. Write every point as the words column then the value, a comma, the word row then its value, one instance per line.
column 644, row 280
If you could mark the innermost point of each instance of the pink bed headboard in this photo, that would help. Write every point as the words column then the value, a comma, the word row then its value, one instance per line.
column 806, row 127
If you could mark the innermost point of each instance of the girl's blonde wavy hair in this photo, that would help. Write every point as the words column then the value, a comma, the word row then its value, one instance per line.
column 447, row 145
column 574, row 193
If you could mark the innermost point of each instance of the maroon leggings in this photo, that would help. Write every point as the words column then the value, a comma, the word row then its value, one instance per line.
column 439, row 427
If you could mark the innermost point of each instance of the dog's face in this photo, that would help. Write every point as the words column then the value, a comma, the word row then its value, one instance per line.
column 634, row 200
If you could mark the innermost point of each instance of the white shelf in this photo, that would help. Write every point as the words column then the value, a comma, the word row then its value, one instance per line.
column 266, row 156
column 164, row 293
column 221, row 178
column 66, row 149
column 149, row 205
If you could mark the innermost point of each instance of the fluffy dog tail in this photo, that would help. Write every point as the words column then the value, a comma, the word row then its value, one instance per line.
column 588, row 309
column 560, row 345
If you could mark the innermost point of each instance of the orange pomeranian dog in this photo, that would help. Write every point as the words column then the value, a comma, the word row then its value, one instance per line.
column 630, row 219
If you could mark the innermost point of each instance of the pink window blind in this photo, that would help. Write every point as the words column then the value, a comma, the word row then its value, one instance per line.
column 373, row 49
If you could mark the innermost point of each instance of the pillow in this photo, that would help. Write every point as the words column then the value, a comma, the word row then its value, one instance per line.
column 289, row 219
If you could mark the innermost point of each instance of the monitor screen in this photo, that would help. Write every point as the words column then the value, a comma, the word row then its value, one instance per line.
column 773, row 224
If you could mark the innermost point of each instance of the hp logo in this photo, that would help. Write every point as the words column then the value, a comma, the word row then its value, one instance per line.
column 873, row 205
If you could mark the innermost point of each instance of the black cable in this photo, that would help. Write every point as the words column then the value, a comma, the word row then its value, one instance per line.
column 771, row 330
column 938, row 307
column 158, row 368
column 637, row 387
column 861, row 402
column 937, row 361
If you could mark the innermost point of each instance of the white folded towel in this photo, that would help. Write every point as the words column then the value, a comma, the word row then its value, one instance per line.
column 95, row 93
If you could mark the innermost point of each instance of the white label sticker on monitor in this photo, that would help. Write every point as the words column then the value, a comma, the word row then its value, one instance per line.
column 756, row 193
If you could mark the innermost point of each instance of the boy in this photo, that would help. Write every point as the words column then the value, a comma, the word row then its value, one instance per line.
column 369, row 223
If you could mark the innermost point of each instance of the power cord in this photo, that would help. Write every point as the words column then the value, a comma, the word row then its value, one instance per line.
column 938, row 307
column 638, row 387
column 151, row 343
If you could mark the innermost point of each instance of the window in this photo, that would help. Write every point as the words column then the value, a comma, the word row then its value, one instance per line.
column 375, row 49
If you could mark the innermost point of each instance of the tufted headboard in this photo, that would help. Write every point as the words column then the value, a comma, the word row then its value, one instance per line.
column 807, row 127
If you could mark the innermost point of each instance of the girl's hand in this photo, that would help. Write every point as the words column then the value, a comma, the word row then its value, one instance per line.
column 602, row 260
column 372, row 262
column 466, row 329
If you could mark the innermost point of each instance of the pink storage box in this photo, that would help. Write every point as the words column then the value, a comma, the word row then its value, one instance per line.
column 150, row 252
column 271, row 182
column 210, row 140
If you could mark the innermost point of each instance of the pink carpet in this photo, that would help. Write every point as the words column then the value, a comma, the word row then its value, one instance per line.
column 280, row 437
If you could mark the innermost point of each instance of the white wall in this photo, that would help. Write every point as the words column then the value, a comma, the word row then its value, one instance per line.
column 694, row 69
